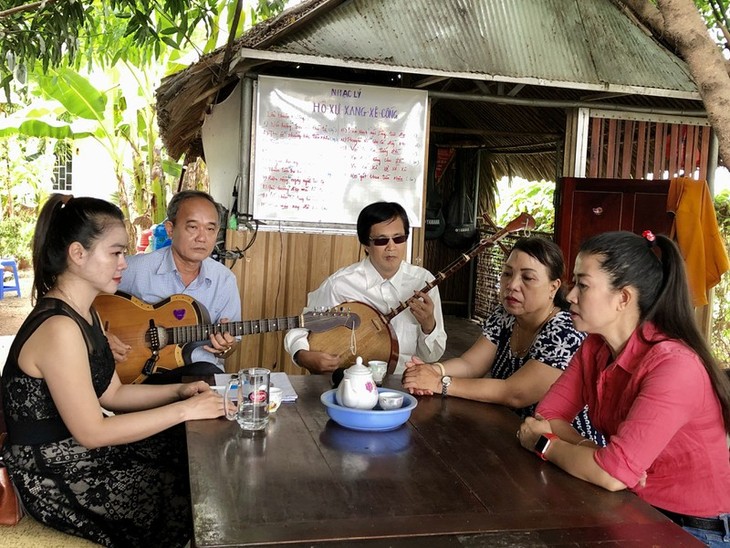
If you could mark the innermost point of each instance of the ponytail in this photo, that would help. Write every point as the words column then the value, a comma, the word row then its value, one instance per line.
column 44, row 275
column 673, row 314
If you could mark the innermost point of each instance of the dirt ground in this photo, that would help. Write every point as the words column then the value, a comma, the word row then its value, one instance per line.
column 13, row 310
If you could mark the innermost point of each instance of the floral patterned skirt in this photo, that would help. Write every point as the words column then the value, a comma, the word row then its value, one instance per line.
column 123, row 495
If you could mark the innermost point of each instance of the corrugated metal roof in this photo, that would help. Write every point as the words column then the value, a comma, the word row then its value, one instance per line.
column 581, row 44
column 540, row 52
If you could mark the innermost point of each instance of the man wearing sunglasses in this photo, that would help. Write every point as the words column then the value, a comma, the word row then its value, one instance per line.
column 383, row 280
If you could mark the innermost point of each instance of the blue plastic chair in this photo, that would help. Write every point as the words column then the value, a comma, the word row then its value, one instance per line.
column 9, row 263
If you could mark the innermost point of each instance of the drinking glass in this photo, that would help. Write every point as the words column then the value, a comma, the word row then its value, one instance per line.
column 249, row 394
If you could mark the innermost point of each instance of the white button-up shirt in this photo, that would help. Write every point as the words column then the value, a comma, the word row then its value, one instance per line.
column 360, row 282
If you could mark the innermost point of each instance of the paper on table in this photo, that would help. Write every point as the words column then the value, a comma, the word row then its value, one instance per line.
column 281, row 380
column 278, row 379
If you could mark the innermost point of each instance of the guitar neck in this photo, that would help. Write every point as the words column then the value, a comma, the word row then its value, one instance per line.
column 522, row 222
column 201, row 332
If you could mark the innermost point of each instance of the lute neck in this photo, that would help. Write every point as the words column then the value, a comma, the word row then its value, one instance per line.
column 523, row 222
column 193, row 333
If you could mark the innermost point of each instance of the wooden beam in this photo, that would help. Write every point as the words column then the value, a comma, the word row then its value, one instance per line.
column 490, row 133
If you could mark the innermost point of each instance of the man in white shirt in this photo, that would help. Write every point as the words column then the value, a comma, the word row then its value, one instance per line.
column 382, row 280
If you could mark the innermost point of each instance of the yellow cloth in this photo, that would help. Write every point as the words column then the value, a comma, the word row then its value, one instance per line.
column 698, row 236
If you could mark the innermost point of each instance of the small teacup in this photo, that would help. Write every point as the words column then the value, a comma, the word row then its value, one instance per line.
column 390, row 400
column 275, row 395
column 378, row 369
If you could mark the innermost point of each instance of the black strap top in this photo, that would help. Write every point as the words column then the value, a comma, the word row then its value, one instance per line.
column 30, row 412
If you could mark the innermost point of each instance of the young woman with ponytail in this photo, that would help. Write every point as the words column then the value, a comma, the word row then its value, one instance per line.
column 118, row 479
column 651, row 383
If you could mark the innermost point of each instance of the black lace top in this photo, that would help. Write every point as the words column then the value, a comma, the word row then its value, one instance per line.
column 30, row 413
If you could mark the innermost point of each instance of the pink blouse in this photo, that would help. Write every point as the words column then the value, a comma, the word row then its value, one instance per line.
column 656, row 406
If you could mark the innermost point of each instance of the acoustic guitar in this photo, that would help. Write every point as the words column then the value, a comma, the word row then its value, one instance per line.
column 374, row 337
column 163, row 335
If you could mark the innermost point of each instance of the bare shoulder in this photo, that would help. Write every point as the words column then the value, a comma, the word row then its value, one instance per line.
column 57, row 336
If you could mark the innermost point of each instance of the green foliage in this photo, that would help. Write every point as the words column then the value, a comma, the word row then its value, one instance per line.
column 26, row 170
column 75, row 93
column 266, row 9
column 49, row 33
column 85, row 32
column 720, row 326
column 536, row 198
column 43, row 46
column 16, row 235
column 68, row 32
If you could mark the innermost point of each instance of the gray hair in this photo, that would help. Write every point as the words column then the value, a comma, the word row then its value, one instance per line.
column 177, row 200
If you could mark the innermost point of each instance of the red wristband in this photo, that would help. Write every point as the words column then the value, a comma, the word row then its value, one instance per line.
column 543, row 443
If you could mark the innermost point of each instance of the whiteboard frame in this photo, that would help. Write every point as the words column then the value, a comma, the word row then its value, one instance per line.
column 415, row 212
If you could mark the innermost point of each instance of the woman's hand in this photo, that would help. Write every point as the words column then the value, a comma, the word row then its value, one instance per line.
column 190, row 389
column 531, row 429
column 421, row 379
column 203, row 405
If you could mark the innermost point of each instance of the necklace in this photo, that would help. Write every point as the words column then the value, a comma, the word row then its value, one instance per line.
column 70, row 301
column 523, row 350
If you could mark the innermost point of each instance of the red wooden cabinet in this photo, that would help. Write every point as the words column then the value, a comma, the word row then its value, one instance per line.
column 590, row 206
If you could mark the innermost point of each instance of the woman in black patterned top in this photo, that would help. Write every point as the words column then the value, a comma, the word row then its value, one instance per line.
column 527, row 341
column 118, row 480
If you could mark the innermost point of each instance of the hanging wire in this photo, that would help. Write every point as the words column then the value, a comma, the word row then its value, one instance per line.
column 235, row 254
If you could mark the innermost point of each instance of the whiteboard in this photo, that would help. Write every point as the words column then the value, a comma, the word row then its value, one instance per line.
column 324, row 150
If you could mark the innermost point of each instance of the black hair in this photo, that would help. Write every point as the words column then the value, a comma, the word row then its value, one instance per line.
column 379, row 212
column 655, row 268
column 173, row 207
column 548, row 254
column 62, row 221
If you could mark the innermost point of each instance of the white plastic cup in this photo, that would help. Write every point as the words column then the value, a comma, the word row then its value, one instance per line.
column 275, row 396
column 390, row 400
column 378, row 369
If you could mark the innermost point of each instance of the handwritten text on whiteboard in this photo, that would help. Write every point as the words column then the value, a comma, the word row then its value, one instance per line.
column 324, row 150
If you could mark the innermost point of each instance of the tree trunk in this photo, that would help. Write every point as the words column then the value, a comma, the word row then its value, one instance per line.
column 680, row 23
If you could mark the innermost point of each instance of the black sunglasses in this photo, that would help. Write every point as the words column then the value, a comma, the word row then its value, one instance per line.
column 380, row 242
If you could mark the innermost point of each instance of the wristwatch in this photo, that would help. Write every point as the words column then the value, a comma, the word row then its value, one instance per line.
column 543, row 442
column 445, row 382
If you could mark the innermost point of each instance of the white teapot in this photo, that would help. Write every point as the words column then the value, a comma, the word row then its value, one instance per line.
column 357, row 388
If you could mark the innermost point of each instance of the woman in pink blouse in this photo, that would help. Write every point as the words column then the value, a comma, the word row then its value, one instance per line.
column 651, row 384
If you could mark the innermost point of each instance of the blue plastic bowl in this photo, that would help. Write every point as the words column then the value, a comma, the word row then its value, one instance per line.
column 369, row 420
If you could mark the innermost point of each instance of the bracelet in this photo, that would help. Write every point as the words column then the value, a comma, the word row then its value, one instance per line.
column 441, row 367
column 581, row 442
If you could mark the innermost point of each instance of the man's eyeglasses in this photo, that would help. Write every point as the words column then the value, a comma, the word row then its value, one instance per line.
column 380, row 242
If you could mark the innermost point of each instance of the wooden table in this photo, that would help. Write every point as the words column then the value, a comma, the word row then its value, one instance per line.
column 454, row 475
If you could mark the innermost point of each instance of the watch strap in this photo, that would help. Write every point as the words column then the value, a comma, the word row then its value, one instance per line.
column 550, row 438
column 445, row 382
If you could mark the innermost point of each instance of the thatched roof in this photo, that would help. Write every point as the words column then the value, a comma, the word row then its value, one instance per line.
column 527, row 60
